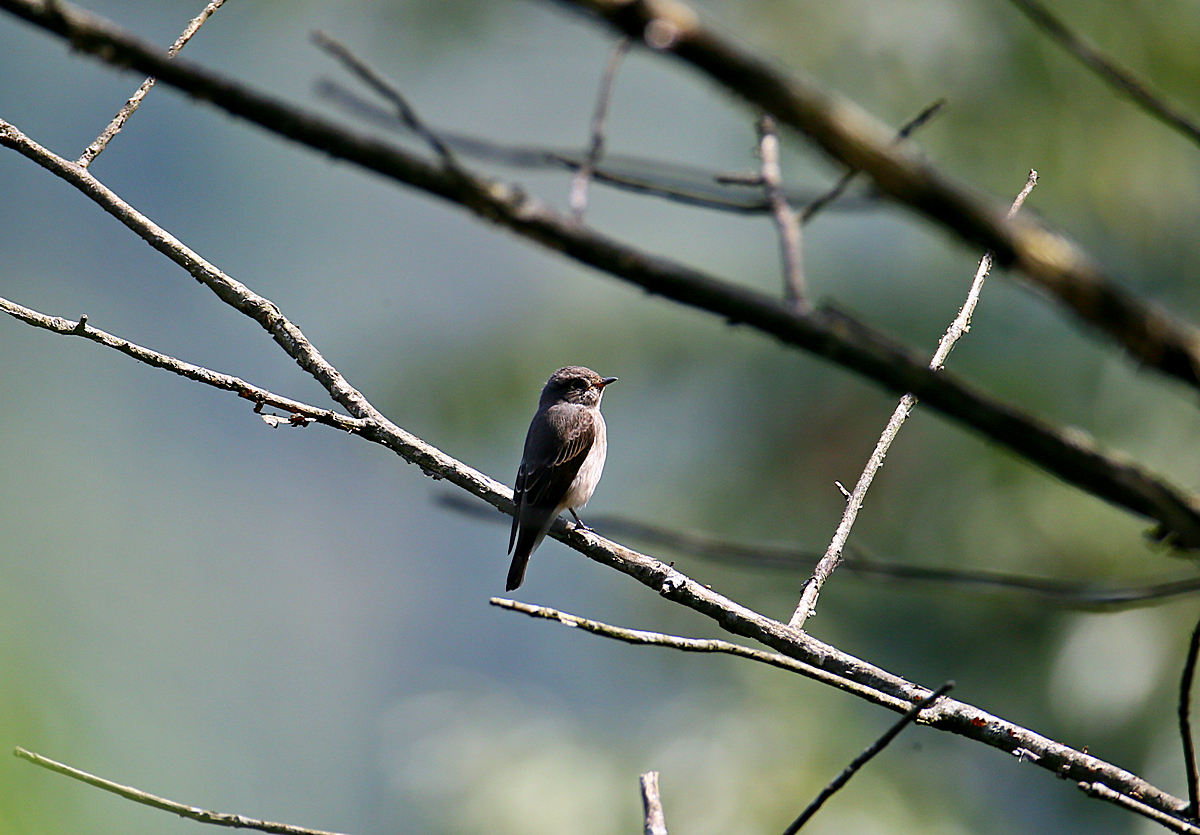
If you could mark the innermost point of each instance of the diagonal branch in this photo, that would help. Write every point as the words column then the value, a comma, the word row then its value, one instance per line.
column 155, row 802
column 641, row 637
column 299, row 413
column 866, row 756
column 1069, row 454
column 833, row 555
column 1108, row 70
column 135, row 101
column 857, row 140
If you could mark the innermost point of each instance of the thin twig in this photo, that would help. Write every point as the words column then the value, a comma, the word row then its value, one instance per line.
column 786, row 222
column 583, row 176
column 686, row 184
column 811, row 209
column 298, row 413
column 1071, row 455
column 114, row 127
column 1171, row 822
column 192, row 812
column 866, row 756
column 703, row 645
column 1185, row 724
column 383, row 87
column 656, row 821
column 1071, row 594
column 833, row 555
column 1107, row 69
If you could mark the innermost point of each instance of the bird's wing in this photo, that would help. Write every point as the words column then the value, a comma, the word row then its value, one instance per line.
column 552, row 464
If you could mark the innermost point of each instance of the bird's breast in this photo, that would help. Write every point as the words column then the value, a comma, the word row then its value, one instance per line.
column 585, row 481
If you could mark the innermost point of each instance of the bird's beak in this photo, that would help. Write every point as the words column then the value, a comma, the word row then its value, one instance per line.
column 606, row 381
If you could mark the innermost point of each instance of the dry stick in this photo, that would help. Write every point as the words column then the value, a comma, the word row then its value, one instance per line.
column 790, row 242
column 1175, row 824
column 298, row 413
column 866, row 756
column 1072, row 455
column 857, row 140
column 642, row 175
column 956, row 717
column 812, row 589
column 583, row 176
column 1185, row 723
column 114, row 127
column 640, row 637
column 656, row 821
column 1115, row 75
column 154, row 801
column 381, row 86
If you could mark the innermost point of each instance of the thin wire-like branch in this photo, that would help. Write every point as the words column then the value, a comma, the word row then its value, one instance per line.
column 1171, row 822
column 1071, row 594
column 583, row 176
column 1185, row 724
column 702, row 645
column 154, row 801
column 1071, row 455
column 866, row 756
column 839, row 188
column 685, row 184
column 833, row 555
column 1107, row 69
column 384, row 88
column 114, row 127
column 786, row 221
column 297, row 413
column 655, row 820
column 858, row 141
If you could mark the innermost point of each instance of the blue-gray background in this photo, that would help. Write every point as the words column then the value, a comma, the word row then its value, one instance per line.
column 286, row 623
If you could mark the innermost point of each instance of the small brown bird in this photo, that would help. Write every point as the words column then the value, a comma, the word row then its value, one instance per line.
column 564, row 456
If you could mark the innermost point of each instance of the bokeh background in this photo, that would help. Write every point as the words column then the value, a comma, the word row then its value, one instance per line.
column 289, row 624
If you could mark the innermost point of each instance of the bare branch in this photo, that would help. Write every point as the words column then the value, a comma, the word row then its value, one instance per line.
column 686, row 184
column 702, row 645
column 298, row 413
column 381, row 86
column 866, row 756
column 156, row 802
column 1185, row 724
column 812, row 589
column 858, row 141
column 1116, row 76
column 1171, row 822
column 114, row 127
column 583, row 176
column 786, row 221
column 656, row 821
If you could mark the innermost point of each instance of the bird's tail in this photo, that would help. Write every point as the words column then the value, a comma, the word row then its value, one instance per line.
column 534, row 524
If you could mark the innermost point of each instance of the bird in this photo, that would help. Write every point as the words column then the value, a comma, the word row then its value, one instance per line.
column 564, row 456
